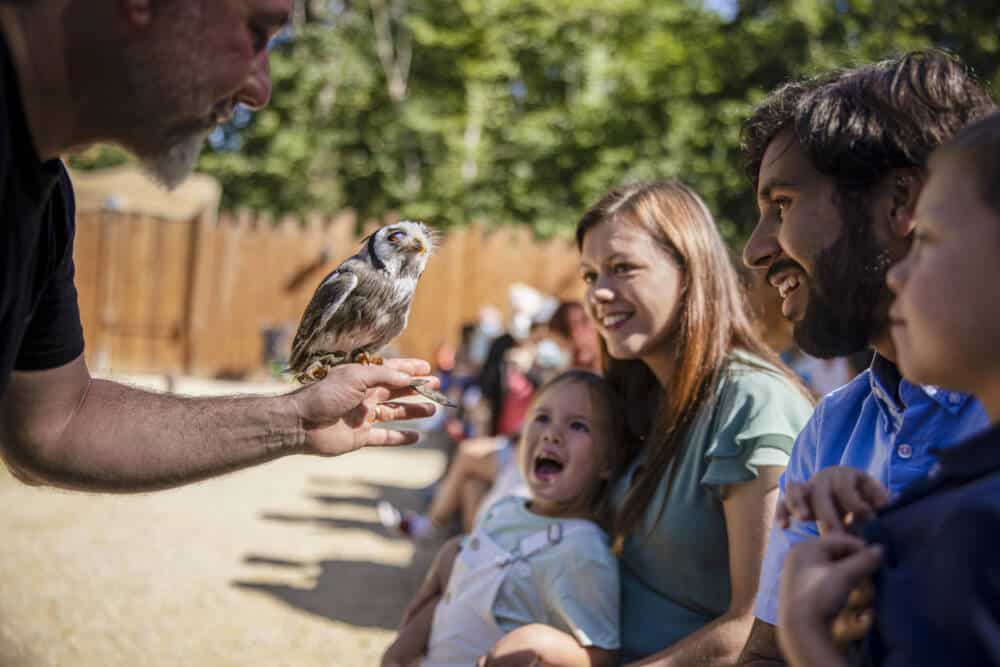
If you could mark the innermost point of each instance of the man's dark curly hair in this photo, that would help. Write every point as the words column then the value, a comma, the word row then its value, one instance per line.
column 857, row 124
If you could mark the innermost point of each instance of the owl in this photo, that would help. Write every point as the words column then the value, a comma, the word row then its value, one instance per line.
column 363, row 304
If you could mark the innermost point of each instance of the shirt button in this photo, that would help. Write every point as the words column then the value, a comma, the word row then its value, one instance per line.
column 905, row 451
column 954, row 398
column 474, row 543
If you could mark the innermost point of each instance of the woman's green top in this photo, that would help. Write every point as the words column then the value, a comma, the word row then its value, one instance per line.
column 675, row 565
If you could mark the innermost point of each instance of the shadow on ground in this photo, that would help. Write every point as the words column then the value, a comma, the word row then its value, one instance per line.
column 359, row 593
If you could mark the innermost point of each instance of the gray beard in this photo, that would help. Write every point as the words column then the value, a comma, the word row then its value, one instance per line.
column 172, row 166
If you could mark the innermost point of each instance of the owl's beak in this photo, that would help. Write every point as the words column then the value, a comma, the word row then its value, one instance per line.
column 418, row 246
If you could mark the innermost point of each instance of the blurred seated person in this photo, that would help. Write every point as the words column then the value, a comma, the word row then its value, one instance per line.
column 576, row 332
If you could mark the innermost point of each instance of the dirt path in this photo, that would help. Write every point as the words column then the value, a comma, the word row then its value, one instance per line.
column 284, row 564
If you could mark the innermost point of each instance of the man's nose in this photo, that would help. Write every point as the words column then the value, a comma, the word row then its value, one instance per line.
column 762, row 247
column 256, row 90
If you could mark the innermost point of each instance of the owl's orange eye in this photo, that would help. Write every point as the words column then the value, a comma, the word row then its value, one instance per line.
column 396, row 237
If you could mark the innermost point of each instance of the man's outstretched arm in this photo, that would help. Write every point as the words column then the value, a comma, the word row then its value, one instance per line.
column 64, row 428
column 761, row 649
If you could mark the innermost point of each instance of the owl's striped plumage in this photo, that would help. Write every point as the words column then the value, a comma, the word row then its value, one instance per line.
column 364, row 303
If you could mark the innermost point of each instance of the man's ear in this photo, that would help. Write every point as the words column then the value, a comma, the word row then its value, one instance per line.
column 138, row 13
column 906, row 186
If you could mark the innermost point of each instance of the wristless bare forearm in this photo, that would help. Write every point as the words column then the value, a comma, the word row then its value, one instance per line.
column 125, row 439
column 718, row 643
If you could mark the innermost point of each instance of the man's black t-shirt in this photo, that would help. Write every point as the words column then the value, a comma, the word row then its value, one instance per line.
column 39, row 316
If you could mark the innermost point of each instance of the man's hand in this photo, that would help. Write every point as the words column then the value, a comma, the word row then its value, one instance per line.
column 830, row 497
column 815, row 583
column 339, row 413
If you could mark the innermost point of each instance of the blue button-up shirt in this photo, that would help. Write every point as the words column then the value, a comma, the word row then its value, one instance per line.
column 878, row 423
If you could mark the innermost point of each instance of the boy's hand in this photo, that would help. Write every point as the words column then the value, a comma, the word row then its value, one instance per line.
column 817, row 578
column 856, row 618
column 830, row 497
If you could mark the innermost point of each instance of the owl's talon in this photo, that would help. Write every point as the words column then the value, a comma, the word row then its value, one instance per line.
column 366, row 359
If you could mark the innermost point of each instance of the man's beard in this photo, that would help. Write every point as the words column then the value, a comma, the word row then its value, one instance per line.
column 165, row 140
column 848, row 297
column 171, row 166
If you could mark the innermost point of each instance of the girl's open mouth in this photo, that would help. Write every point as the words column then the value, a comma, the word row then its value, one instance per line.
column 547, row 468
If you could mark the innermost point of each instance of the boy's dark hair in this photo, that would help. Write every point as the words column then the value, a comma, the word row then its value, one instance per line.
column 978, row 145
column 857, row 124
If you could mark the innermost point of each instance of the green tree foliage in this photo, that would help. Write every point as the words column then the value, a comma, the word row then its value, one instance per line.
column 526, row 111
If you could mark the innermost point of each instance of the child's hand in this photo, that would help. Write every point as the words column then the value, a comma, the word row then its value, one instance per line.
column 831, row 496
column 817, row 577
column 856, row 618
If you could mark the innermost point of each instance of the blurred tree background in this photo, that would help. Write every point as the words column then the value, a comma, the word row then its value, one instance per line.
column 526, row 111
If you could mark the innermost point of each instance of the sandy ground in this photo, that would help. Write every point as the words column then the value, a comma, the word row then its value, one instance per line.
column 284, row 564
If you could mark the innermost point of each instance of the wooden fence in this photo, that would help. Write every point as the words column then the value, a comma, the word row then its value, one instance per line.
column 195, row 296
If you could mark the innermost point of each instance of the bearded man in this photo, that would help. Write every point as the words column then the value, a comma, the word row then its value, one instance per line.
column 837, row 163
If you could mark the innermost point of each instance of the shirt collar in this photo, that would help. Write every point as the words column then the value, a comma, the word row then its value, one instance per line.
column 885, row 380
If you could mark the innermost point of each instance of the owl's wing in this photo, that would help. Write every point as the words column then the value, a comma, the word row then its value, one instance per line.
column 329, row 296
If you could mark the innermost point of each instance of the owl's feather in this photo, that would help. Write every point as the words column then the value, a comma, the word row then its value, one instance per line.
column 329, row 297
column 365, row 302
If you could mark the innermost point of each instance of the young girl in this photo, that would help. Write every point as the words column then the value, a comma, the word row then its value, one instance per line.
column 543, row 561
column 937, row 588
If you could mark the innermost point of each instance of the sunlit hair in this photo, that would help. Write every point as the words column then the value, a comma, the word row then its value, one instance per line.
column 607, row 433
column 857, row 124
column 712, row 320
column 977, row 147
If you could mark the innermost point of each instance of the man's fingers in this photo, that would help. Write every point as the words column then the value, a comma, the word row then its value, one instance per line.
column 390, row 437
column 390, row 412
column 409, row 366
column 383, row 376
